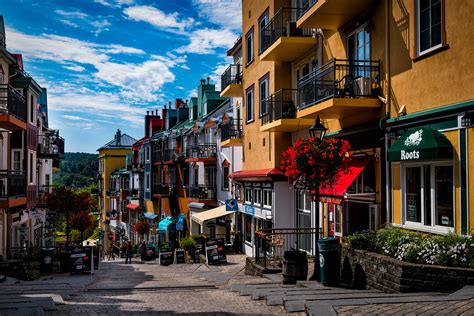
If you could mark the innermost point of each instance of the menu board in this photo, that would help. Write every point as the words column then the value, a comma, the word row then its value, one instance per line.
column 215, row 251
column 179, row 256
column 412, row 203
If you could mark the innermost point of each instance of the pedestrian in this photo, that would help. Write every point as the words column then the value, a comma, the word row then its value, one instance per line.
column 128, row 252
column 143, row 250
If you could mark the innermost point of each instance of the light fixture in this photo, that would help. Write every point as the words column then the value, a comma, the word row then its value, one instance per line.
column 317, row 130
column 467, row 120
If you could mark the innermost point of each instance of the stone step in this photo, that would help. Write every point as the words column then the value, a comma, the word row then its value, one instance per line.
column 22, row 311
column 248, row 289
column 65, row 295
column 297, row 291
column 47, row 305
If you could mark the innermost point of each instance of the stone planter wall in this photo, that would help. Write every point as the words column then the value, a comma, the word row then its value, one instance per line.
column 362, row 269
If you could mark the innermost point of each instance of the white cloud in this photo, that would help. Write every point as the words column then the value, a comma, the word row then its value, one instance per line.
column 77, row 18
column 74, row 14
column 158, row 18
column 75, row 118
column 115, row 3
column 100, row 26
column 204, row 41
column 227, row 14
column 76, row 68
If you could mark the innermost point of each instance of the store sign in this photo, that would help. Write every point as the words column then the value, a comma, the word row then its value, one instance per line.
column 249, row 210
column 215, row 251
column 409, row 155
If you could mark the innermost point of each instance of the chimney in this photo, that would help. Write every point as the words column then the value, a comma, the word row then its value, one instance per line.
column 147, row 113
column 169, row 105
column 208, row 80
column 118, row 138
column 203, row 82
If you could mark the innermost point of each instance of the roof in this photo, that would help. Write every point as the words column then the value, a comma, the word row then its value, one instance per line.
column 271, row 174
column 126, row 141
column 236, row 45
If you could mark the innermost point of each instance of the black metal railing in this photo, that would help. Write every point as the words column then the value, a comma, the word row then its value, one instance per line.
column 283, row 24
column 304, row 6
column 202, row 192
column 340, row 79
column 30, row 254
column 201, row 151
column 12, row 184
column 163, row 188
column 231, row 129
column 43, row 192
column 50, row 145
column 12, row 102
column 232, row 75
column 279, row 105
column 271, row 244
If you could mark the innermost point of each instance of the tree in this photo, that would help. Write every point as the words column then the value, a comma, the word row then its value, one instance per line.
column 141, row 227
column 82, row 221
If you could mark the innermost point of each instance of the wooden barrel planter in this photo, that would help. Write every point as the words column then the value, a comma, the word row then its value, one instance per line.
column 295, row 266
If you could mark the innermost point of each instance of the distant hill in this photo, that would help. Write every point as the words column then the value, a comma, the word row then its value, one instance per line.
column 77, row 170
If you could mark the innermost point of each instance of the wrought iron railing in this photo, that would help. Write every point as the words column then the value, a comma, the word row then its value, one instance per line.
column 50, row 145
column 201, row 151
column 271, row 244
column 30, row 254
column 202, row 192
column 231, row 129
column 12, row 184
column 163, row 188
column 283, row 24
column 279, row 105
column 12, row 102
column 232, row 75
column 340, row 79
column 43, row 192
column 304, row 6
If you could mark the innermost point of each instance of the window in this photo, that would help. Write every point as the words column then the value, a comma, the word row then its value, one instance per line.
column 147, row 182
column 257, row 197
column 248, row 195
column 429, row 195
column 337, row 219
column 225, row 177
column 16, row 163
column 304, row 219
column 263, row 91
column 249, row 47
column 359, row 50
column 267, row 198
column 31, row 170
column 196, row 175
column 263, row 38
column 249, row 104
column 147, row 153
column 32, row 110
column 365, row 182
column 248, row 228
column 429, row 26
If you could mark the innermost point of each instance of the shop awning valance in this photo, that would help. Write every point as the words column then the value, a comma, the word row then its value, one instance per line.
column 335, row 192
column 133, row 206
column 258, row 175
column 148, row 215
column 421, row 143
column 181, row 222
column 200, row 218
column 166, row 224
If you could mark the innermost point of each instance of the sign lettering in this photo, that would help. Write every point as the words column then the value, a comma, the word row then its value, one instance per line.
column 409, row 155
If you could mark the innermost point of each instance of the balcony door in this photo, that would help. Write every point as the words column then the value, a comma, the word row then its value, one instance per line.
column 358, row 44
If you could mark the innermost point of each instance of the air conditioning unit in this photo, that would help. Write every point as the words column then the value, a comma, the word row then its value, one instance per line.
column 362, row 86
column 374, row 216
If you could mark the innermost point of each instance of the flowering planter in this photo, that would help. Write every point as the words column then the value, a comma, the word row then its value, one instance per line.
column 363, row 269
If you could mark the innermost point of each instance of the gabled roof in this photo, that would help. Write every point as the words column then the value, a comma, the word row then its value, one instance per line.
column 126, row 141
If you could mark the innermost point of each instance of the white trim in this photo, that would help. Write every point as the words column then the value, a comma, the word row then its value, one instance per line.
column 418, row 33
column 468, row 228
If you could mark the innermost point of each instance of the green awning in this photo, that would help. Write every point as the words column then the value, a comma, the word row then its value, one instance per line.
column 421, row 143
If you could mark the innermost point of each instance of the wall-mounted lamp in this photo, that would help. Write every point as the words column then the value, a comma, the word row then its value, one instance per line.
column 467, row 120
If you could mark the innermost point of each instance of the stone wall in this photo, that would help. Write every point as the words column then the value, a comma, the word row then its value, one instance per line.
column 362, row 269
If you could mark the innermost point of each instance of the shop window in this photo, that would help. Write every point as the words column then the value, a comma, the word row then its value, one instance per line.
column 365, row 182
column 338, row 220
column 225, row 177
column 429, row 25
column 429, row 195
column 248, row 228
column 248, row 195
column 257, row 197
column 304, row 219
column 267, row 198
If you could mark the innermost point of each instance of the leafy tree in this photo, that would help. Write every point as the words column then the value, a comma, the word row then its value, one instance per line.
column 82, row 221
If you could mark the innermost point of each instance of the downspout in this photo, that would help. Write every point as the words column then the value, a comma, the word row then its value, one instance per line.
column 388, row 207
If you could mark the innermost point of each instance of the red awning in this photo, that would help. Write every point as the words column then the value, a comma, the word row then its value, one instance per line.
column 335, row 192
column 133, row 206
column 260, row 174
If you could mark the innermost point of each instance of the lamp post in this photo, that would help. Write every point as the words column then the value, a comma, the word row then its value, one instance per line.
column 317, row 131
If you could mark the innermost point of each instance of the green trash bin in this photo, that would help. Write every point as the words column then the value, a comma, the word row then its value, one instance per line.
column 329, row 260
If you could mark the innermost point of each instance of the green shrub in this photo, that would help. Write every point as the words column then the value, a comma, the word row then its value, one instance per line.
column 187, row 243
column 365, row 240
column 197, row 239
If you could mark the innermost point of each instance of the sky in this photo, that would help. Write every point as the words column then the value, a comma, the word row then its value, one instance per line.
column 106, row 62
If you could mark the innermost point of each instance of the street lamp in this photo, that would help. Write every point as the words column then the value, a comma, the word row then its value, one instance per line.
column 318, row 131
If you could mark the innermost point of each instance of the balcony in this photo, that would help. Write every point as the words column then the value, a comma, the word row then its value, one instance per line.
column 280, row 113
column 165, row 155
column 201, row 192
column 43, row 192
column 282, row 40
column 231, row 133
column 339, row 89
column 50, row 146
column 231, row 82
column 12, row 108
column 330, row 14
column 163, row 189
column 205, row 152
column 12, row 186
column 124, row 193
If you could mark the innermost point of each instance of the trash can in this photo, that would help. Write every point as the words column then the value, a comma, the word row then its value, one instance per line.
column 47, row 256
column 329, row 260
column 295, row 266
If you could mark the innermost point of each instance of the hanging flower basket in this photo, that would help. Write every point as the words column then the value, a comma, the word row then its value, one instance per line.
column 141, row 227
column 314, row 163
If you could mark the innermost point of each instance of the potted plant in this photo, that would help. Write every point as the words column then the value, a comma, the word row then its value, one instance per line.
column 188, row 245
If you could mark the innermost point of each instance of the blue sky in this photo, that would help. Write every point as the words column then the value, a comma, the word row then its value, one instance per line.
column 106, row 62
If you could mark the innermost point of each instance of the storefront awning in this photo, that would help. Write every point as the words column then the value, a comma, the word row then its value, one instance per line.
column 200, row 218
column 421, row 144
column 335, row 192
column 272, row 174
column 166, row 224
column 181, row 222
column 133, row 206
column 148, row 215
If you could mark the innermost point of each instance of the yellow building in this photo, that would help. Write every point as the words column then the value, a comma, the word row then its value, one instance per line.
column 112, row 157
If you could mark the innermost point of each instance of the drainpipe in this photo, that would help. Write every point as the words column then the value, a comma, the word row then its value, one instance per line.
column 387, row 109
column 319, row 50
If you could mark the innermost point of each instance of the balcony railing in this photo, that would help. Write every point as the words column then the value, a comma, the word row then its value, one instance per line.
column 232, row 75
column 339, row 79
column 202, row 192
column 50, row 145
column 165, row 154
column 231, row 130
column 12, row 102
column 280, row 105
column 201, row 151
column 12, row 184
column 163, row 188
column 283, row 24
column 43, row 192
column 305, row 5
